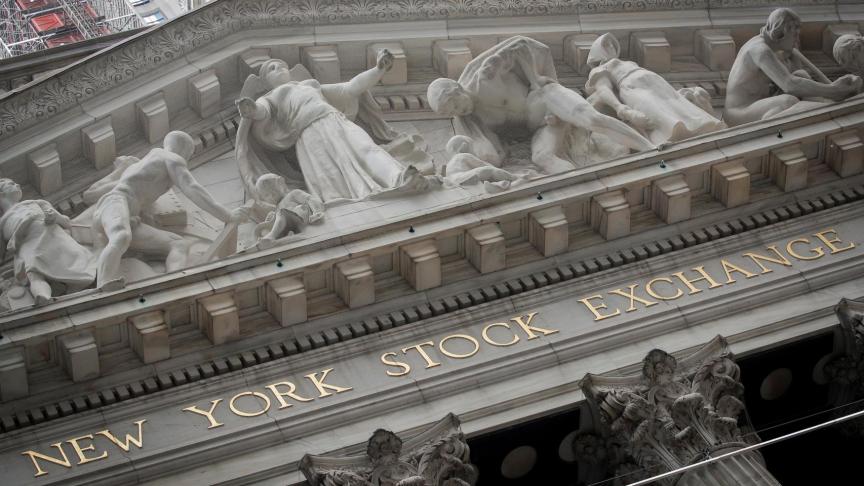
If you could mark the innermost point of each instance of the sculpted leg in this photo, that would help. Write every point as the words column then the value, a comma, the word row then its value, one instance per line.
column 114, row 218
column 759, row 110
column 547, row 143
column 571, row 108
column 40, row 289
column 154, row 241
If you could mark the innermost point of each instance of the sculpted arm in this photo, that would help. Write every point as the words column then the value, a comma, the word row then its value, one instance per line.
column 795, row 85
column 184, row 180
column 367, row 80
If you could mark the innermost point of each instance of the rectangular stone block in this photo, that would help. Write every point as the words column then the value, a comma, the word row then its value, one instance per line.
column 205, row 93
column 149, row 337
column 845, row 153
column 576, row 47
column 44, row 168
column 99, row 143
column 787, row 167
column 322, row 62
column 399, row 73
column 652, row 51
column 715, row 49
column 730, row 183
column 249, row 62
column 354, row 282
column 79, row 355
column 420, row 264
column 832, row 32
column 485, row 248
column 449, row 57
column 548, row 230
column 218, row 318
column 610, row 215
column 13, row 374
column 286, row 300
column 153, row 117
column 670, row 199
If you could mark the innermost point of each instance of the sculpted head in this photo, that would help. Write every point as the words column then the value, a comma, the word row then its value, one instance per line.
column 849, row 53
column 604, row 48
column 271, row 187
column 384, row 447
column 10, row 192
column 658, row 367
column 447, row 97
column 275, row 72
column 180, row 143
column 782, row 29
column 459, row 144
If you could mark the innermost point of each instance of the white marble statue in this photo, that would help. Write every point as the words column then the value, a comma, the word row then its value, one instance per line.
column 43, row 251
column 849, row 53
column 132, row 188
column 337, row 160
column 511, row 91
column 288, row 210
column 645, row 100
column 464, row 168
column 771, row 61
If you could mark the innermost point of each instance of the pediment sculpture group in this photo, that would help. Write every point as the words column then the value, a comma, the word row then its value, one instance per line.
column 303, row 146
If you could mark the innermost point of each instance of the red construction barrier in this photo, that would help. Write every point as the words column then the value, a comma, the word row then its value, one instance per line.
column 62, row 40
column 33, row 5
column 49, row 22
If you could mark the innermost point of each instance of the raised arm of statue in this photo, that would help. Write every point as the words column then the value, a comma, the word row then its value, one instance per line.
column 367, row 80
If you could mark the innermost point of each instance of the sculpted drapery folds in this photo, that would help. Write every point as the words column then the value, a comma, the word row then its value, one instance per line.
column 510, row 93
column 770, row 76
column 645, row 100
column 437, row 456
column 676, row 414
column 337, row 161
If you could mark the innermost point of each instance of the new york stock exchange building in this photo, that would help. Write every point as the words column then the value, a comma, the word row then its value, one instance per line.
column 438, row 243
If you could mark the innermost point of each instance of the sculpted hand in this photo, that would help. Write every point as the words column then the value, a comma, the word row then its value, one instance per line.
column 249, row 109
column 634, row 117
column 385, row 60
column 241, row 214
column 849, row 81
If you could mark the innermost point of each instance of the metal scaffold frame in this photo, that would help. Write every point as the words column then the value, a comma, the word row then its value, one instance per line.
column 32, row 25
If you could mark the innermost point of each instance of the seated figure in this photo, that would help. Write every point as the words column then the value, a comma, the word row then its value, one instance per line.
column 132, row 188
column 645, row 100
column 288, row 210
column 43, row 251
column 510, row 91
column 771, row 60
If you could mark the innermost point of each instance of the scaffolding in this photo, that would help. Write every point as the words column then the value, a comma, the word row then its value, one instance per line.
column 32, row 25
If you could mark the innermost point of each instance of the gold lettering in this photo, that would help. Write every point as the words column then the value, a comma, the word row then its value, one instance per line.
column 459, row 356
column 780, row 259
column 320, row 385
column 731, row 268
column 290, row 393
column 649, row 289
column 82, row 459
column 818, row 251
column 632, row 296
column 60, row 462
column 689, row 283
column 405, row 366
column 496, row 343
column 251, row 394
column 208, row 414
column 139, row 442
column 529, row 329
column 419, row 347
column 596, row 309
column 835, row 239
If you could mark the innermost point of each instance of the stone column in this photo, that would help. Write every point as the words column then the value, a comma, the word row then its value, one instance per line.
column 676, row 413
column 437, row 456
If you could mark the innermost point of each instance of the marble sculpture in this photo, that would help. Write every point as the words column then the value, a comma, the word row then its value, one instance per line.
column 337, row 160
column 43, row 252
column 770, row 62
column 849, row 53
column 511, row 92
column 132, row 188
column 645, row 100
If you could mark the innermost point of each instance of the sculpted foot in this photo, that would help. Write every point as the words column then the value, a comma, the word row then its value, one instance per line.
column 41, row 299
column 112, row 285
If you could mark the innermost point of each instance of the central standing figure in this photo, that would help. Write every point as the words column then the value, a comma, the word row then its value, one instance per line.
column 338, row 160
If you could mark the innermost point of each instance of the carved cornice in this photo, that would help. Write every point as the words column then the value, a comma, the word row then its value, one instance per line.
column 163, row 44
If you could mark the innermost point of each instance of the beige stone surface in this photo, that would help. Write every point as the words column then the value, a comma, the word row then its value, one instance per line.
column 485, row 248
column 354, row 282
